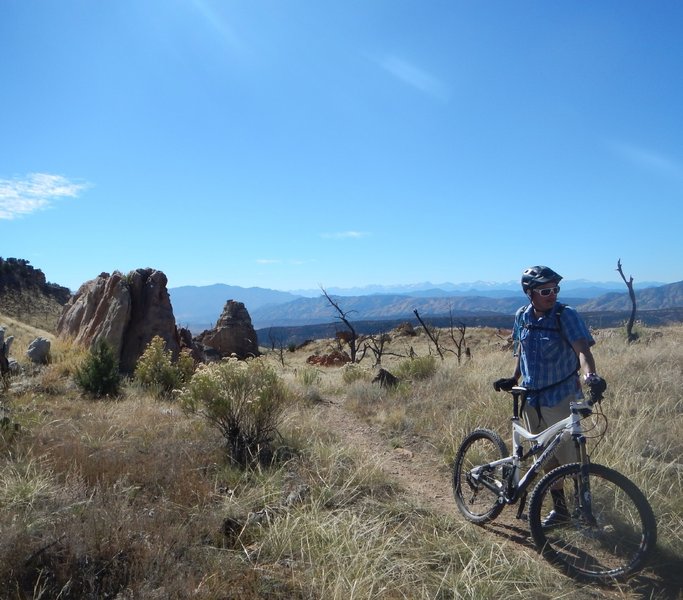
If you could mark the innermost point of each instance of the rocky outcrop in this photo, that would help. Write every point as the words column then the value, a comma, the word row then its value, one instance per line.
column 234, row 334
column 18, row 274
column 99, row 310
column 151, row 315
column 125, row 311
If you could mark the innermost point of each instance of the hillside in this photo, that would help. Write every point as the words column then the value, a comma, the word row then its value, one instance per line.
column 657, row 298
column 26, row 295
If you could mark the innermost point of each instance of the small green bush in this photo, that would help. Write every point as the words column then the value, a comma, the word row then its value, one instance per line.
column 99, row 374
column 353, row 372
column 419, row 368
column 308, row 376
column 245, row 400
column 157, row 372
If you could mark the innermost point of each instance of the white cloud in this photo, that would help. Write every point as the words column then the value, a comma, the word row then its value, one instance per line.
column 344, row 235
column 268, row 261
column 36, row 191
column 414, row 76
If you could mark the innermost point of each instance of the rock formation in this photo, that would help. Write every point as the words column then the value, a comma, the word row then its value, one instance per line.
column 151, row 315
column 125, row 311
column 234, row 334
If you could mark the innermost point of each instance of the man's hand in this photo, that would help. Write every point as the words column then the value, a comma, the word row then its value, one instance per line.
column 505, row 384
column 596, row 385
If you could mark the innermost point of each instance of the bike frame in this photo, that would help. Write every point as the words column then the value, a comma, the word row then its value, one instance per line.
column 545, row 443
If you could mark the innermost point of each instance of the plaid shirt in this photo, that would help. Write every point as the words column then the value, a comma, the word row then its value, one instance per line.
column 547, row 362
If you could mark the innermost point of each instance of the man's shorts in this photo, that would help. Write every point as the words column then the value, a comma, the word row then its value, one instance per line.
column 566, row 451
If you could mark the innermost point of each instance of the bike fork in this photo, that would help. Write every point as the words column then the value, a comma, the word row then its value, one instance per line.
column 582, row 486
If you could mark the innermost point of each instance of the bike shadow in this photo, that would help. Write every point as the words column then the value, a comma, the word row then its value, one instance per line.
column 661, row 579
column 512, row 532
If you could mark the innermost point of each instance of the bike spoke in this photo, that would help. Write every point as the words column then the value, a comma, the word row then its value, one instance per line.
column 606, row 540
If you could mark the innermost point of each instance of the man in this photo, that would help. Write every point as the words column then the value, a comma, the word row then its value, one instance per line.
column 552, row 343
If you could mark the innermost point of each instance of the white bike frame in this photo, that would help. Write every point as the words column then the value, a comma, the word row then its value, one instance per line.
column 547, row 440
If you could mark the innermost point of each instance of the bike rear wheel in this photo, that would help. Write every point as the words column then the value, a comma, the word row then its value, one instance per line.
column 477, row 502
column 608, row 543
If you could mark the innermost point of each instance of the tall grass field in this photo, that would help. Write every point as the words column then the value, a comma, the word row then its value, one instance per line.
column 136, row 497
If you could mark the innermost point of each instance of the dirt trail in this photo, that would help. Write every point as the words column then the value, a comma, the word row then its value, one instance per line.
column 417, row 467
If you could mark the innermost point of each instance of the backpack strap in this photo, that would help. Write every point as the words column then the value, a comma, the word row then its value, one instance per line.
column 558, row 320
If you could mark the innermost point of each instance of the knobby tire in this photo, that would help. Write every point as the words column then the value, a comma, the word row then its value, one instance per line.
column 476, row 502
column 611, row 543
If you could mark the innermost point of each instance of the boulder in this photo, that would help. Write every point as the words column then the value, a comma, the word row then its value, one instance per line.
column 38, row 351
column 336, row 358
column 187, row 344
column 234, row 334
column 125, row 311
column 385, row 379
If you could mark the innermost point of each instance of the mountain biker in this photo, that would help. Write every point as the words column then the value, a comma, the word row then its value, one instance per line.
column 552, row 344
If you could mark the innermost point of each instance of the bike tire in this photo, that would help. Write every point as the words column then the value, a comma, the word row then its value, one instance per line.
column 615, row 545
column 476, row 502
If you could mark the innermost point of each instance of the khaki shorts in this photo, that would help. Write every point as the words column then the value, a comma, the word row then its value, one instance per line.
column 566, row 451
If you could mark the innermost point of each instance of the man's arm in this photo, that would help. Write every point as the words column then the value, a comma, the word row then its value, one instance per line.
column 585, row 355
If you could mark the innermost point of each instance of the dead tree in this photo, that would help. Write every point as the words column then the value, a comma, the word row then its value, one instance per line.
column 630, row 336
column 343, row 317
column 430, row 333
column 460, row 343
column 376, row 344
column 277, row 343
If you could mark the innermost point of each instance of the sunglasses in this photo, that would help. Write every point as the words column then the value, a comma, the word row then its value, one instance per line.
column 547, row 291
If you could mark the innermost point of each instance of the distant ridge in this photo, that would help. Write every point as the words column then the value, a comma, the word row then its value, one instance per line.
column 582, row 288
column 198, row 307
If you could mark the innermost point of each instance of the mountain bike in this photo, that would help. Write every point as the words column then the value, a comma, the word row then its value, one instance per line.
column 609, row 529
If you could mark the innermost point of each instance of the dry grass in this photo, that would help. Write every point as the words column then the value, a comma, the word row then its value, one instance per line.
column 135, row 499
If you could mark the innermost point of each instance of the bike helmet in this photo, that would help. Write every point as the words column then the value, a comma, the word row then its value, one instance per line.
column 535, row 276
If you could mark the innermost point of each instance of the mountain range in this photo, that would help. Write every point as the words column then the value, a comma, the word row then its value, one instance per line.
column 198, row 307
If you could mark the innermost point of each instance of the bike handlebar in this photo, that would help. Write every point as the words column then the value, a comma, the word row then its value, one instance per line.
column 509, row 384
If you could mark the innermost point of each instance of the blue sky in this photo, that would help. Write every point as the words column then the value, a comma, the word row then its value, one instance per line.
column 293, row 144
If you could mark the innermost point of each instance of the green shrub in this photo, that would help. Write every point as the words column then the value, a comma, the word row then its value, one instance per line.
column 353, row 372
column 308, row 376
column 245, row 400
column 99, row 374
column 419, row 368
column 157, row 372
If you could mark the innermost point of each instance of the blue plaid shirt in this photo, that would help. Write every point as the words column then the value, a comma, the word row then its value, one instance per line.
column 547, row 362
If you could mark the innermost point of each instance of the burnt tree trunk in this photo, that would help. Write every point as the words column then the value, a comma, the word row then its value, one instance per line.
column 630, row 336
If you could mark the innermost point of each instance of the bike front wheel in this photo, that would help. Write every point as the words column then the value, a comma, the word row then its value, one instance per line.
column 476, row 485
column 606, row 539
